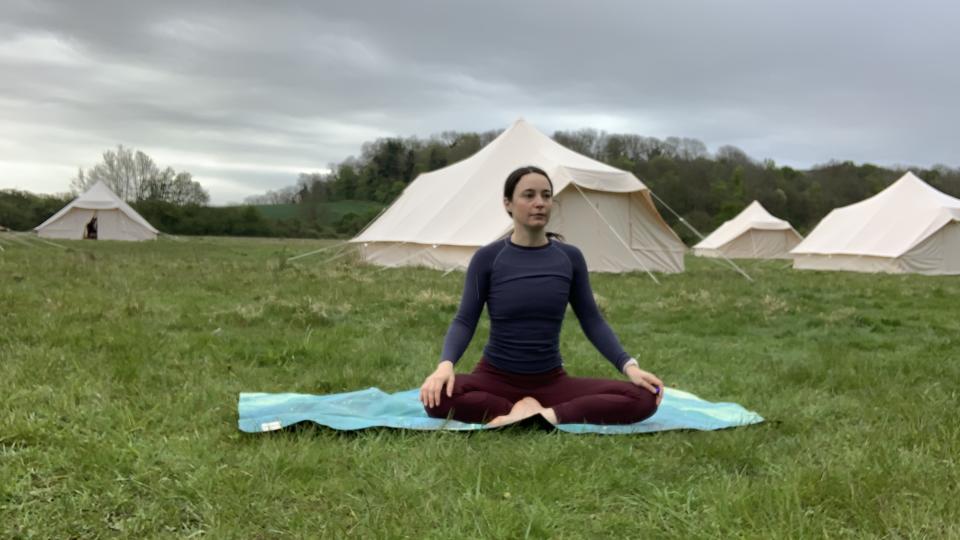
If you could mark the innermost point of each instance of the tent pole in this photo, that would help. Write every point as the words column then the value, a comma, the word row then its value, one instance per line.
column 696, row 232
column 590, row 204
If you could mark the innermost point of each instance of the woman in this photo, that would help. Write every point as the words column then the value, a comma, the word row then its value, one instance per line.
column 526, row 281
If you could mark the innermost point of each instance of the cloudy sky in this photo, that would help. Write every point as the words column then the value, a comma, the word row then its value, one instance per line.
column 247, row 94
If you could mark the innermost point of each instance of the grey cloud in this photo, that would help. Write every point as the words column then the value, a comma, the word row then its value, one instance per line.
column 298, row 83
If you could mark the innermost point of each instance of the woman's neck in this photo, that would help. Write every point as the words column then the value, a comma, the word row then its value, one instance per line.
column 527, row 238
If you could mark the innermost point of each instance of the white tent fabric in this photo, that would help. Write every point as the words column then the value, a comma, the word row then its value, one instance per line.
column 753, row 234
column 115, row 219
column 909, row 227
column 443, row 216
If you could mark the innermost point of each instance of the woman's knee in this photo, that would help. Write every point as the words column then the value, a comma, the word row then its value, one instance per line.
column 470, row 407
column 440, row 410
column 646, row 410
column 643, row 405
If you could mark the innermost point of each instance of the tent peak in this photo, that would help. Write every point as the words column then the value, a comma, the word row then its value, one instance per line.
column 910, row 183
column 909, row 177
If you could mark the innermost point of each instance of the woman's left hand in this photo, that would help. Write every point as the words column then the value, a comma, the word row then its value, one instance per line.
column 646, row 380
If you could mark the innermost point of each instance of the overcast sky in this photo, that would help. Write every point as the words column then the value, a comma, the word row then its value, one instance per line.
column 247, row 94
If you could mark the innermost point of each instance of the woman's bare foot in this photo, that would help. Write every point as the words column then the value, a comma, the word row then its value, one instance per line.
column 525, row 408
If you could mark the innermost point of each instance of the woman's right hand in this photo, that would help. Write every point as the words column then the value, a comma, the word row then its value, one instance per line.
column 433, row 385
column 647, row 380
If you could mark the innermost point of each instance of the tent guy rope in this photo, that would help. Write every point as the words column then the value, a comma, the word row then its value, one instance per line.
column 696, row 232
column 615, row 233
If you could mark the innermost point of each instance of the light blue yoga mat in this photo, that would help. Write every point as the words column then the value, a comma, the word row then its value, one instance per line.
column 374, row 408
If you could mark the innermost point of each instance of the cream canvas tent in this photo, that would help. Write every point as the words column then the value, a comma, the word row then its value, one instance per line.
column 115, row 219
column 909, row 227
column 753, row 234
column 443, row 216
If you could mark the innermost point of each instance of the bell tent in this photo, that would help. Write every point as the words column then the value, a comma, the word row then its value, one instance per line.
column 753, row 234
column 444, row 216
column 97, row 213
column 909, row 227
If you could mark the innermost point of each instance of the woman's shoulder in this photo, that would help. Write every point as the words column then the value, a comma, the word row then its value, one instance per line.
column 577, row 261
column 569, row 249
column 488, row 253
column 493, row 247
column 498, row 243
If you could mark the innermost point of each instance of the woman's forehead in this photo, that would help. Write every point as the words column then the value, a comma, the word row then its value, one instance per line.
column 535, row 181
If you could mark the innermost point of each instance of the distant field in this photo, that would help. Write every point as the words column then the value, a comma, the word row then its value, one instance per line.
column 331, row 212
column 120, row 366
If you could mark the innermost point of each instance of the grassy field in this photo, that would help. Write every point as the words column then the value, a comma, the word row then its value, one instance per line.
column 120, row 366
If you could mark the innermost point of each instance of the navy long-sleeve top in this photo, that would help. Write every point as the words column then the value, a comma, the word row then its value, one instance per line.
column 526, row 290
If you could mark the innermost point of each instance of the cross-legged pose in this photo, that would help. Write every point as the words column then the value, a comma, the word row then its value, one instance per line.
column 526, row 281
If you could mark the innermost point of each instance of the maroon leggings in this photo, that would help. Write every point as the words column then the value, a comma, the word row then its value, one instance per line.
column 489, row 392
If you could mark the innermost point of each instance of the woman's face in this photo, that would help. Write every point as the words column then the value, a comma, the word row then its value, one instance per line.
column 532, row 201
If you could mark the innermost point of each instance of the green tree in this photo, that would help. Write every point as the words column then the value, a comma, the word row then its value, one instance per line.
column 133, row 176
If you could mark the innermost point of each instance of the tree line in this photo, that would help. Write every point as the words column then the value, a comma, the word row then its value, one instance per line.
column 707, row 189
column 134, row 177
column 22, row 211
column 703, row 188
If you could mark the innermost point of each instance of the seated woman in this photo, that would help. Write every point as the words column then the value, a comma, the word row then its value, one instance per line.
column 526, row 281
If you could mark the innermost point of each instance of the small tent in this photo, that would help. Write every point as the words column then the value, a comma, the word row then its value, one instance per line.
column 753, row 234
column 99, row 211
column 443, row 216
column 909, row 227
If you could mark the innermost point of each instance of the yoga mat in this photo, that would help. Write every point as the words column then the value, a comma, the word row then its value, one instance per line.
column 372, row 407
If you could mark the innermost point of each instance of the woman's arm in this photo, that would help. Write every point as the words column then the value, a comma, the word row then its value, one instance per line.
column 464, row 324
column 599, row 332
column 594, row 326
column 460, row 332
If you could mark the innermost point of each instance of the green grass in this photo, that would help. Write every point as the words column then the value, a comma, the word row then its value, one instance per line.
column 120, row 366
column 330, row 212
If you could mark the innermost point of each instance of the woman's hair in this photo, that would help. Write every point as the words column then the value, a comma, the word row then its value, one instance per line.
column 511, row 185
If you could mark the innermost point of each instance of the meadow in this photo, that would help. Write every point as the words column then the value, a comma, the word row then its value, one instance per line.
column 120, row 366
